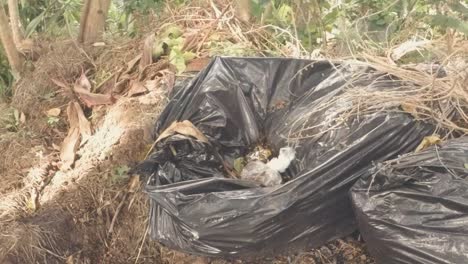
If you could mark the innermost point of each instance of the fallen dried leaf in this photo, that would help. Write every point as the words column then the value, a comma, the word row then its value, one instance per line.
column 83, row 123
column 68, row 149
column 83, row 82
column 169, row 79
column 197, row 64
column 131, row 64
column 134, row 184
column 59, row 83
column 427, row 142
column 137, row 88
column 185, row 128
column 92, row 99
column 79, row 125
column 53, row 112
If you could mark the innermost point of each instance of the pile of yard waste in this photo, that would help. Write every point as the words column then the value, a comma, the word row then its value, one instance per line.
column 160, row 149
column 257, row 156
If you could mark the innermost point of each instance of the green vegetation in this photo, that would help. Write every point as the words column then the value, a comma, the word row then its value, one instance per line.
column 354, row 24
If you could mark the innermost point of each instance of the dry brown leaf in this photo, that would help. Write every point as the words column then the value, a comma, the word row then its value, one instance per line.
column 134, row 184
column 427, row 142
column 54, row 112
column 59, row 83
column 131, row 64
column 83, row 123
column 93, row 99
column 169, row 79
column 83, row 82
column 69, row 147
column 147, row 54
column 79, row 125
column 197, row 64
column 137, row 88
column 185, row 128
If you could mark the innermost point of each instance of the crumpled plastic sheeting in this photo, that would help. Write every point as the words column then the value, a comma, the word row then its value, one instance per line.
column 415, row 209
column 236, row 102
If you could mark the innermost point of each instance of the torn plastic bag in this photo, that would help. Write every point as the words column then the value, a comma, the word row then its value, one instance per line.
column 415, row 209
column 239, row 102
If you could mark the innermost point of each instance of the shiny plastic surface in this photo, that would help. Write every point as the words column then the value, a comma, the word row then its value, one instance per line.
column 415, row 209
column 237, row 102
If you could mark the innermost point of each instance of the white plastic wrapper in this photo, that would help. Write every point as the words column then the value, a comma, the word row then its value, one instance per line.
column 281, row 163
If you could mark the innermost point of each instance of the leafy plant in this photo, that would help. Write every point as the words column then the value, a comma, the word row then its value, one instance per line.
column 120, row 174
column 53, row 121
column 171, row 43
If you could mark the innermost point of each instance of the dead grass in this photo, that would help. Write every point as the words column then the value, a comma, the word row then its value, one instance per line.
column 35, row 92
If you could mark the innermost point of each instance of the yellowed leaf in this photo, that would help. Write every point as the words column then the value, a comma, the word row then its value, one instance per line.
column 427, row 142
column 410, row 109
column 184, row 128
column 54, row 112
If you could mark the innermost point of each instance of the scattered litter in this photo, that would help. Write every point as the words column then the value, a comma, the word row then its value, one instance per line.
column 281, row 163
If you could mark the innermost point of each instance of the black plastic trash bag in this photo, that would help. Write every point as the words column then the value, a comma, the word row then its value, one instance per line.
column 198, row 207
column 415, row 209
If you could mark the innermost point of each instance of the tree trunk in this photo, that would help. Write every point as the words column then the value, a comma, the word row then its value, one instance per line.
column 243, row 10
column 14, row 58
column 15, row 22
column 93, row 20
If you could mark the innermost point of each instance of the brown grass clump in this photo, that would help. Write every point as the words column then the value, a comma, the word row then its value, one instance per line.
column 434, row 93
column 35, row 92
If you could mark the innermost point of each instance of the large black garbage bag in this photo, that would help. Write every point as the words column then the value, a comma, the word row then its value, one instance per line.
column 238, row 102
column 415, row 209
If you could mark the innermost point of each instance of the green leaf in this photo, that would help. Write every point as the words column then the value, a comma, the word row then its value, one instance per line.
column 176, row 58
column 466, row 166
column 173, row 31
column 31, row 27
column 449, row 22
column 175, row 43
column 285, row 13
column 188, row 56
column 380, row 22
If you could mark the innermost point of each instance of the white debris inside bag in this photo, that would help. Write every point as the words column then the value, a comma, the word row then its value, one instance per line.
column 268, row 174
